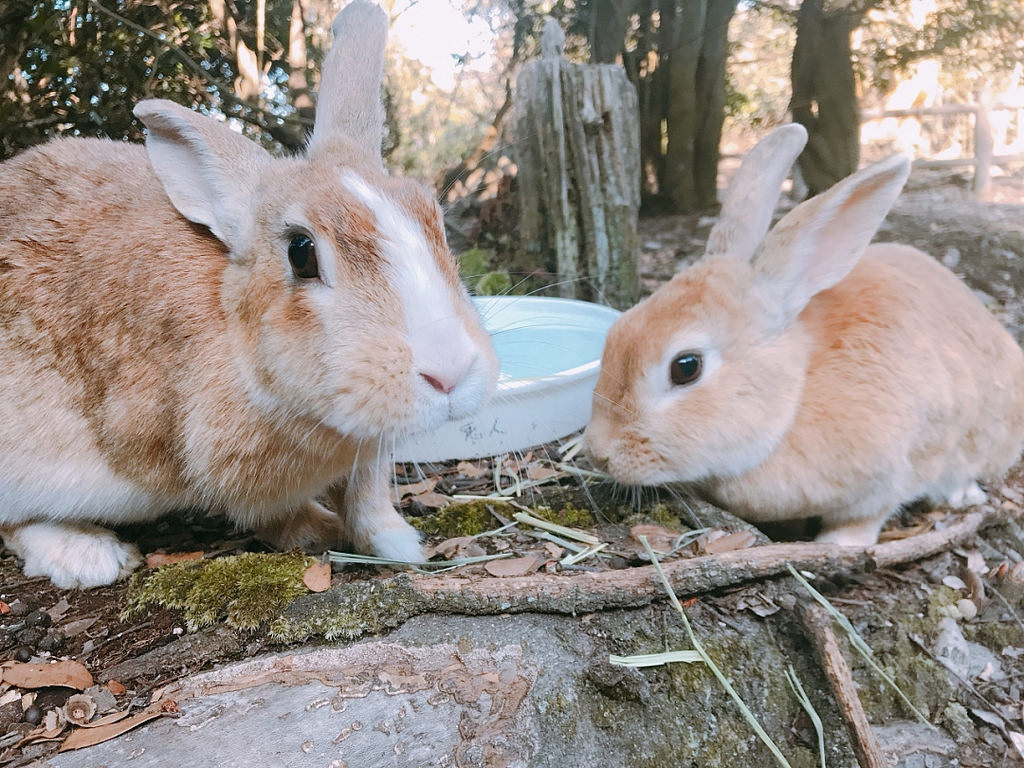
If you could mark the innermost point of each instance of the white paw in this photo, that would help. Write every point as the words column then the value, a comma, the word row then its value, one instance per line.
column 852, row 533
column 398, row 544
column 968, row 496
column 73, row 557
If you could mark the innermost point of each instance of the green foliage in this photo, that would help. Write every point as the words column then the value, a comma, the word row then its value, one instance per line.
column 244, row 590
column 77, row 67
column 497, row 283
column 972, row 37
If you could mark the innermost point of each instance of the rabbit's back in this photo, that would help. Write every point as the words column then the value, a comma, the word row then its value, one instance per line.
column 913, row 390
column 96, row 304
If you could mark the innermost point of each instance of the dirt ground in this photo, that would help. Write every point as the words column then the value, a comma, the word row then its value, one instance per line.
column 981, row 241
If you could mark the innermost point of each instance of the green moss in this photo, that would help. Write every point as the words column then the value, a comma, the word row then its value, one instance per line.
column 497, row 283
column 349, row 611
column 475, row 262
column 244, row 590
column 459, row 518
column 658, row 514
column 568, row 515
column 958, row 723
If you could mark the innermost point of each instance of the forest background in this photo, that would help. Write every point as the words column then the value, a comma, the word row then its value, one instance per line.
column 711, row 75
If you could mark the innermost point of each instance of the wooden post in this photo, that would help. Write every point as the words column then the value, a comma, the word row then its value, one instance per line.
column 983, row 144
column 577, row 149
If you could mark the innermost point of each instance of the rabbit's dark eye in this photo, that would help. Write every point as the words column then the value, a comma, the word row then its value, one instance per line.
column 686, row 368
column 302, row 255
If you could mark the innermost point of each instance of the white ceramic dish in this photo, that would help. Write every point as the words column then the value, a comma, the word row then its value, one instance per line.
column 550, row 353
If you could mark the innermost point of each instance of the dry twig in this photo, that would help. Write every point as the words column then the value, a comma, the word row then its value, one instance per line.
column 818, row 624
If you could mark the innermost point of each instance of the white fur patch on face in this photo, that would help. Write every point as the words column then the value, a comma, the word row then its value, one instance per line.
column 450, row 378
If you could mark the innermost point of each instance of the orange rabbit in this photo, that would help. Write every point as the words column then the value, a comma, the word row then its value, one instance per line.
column 805, row 373
column 197, row 324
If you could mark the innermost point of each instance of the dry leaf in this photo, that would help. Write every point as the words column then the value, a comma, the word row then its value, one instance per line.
column 954, row 582
column 459, row 546
column 660, row 538
column 87, row 737
column 899, row 534
column 540, row 472
column 157, row 559
column 116, row 688
column 987, row 716
column 67, row 674
column 113, row 717
column 78, row 626
column 470, row 470
column 415, row 489
column 1018, row 741
column 1016, row 573
column 513, row 566
column 554, row 551
column 318, row 577
column 4, row 608
column 56, row 613
column 431, row 500
column 729, row 542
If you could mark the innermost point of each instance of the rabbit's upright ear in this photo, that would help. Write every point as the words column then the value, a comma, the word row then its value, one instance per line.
column 754, row 192
column 209, row 171
column 349, row 105
column 820, row 241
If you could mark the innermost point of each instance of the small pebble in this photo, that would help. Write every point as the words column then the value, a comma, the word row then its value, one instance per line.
column 968, row 608
column 31, row 636
column 33, row 715
column 52, row 641
column 18, row 608
column 38, row 619
column 23, row 654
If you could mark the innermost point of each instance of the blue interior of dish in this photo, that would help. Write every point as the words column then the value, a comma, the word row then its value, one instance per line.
column 529, row 350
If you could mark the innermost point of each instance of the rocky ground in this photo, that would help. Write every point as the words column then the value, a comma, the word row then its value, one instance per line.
column 506, row 662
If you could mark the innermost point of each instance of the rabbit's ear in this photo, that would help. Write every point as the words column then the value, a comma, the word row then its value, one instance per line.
column 349, row 104
column 820, row 241
column 207, row 170
column 754, row 192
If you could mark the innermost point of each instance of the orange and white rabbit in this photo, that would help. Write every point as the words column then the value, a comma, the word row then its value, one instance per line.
column 804, row 373
column 198, row 324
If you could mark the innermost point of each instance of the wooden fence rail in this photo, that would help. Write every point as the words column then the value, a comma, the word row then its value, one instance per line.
column 983, row 158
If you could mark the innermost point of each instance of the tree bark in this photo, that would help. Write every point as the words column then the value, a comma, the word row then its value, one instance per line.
column 607, row 30
column 825, row 95
column 577, row 152
column 696, row 102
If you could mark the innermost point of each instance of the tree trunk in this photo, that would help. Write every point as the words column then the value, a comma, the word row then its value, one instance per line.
column 607, row 30
column 825, row 95
column 577, row 151
column 696, row 103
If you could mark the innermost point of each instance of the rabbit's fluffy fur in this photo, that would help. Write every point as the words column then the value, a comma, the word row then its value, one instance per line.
column 838, row 380
column 161, row 353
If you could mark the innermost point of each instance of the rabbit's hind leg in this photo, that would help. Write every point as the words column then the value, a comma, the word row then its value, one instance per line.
column 856, row 532
column 72, row 556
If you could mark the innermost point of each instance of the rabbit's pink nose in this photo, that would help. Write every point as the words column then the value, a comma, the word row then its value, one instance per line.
column 439, row 382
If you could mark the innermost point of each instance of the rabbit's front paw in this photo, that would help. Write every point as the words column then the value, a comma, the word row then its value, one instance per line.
column 72, row 557
column 399, row 542
column 968, row 496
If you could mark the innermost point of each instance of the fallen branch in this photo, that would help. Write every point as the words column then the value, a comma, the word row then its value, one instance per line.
column 818, row 624
column 363, row 607
column 632, row 587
